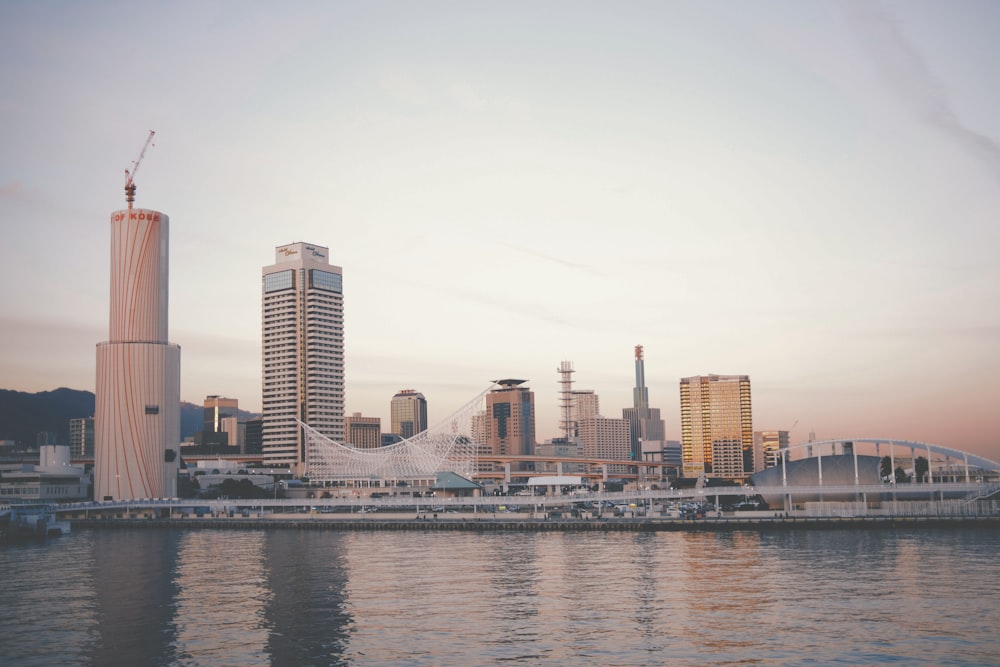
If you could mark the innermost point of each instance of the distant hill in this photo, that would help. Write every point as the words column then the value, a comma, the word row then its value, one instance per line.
column 24, row 415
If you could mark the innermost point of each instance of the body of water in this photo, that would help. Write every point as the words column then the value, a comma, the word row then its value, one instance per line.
column 303, row 597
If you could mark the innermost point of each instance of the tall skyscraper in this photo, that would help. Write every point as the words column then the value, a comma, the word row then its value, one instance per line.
column 510, row 419
column 717, row 426
column 137, row 414
column 408, row 413
column 303, row 356
column 645, row 424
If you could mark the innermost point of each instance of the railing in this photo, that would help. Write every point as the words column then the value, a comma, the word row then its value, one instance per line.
column 883, row 500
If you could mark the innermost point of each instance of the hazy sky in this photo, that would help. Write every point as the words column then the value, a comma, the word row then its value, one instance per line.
column 804, row 192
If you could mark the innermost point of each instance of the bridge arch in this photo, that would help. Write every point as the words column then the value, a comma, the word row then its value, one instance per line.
column 943, row 462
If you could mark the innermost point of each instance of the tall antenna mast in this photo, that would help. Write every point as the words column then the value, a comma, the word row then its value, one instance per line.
column 130, row 175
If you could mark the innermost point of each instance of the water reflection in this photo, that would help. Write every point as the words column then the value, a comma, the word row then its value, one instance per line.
column 304, row 612
column 133, row 580
column 36, row 627
column 221, row 593
column 438, row 599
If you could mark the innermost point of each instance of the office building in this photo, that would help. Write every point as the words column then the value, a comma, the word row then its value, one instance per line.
column 390, row 439
column 81, row 438
column 137, row 413
column 364, row 432
column 221, row 416
column 666, row 453
column 604, row 438
column 408, row 413
column 509, row 424
column 585, row 404
column 303, row 356
column 559, row 448
column 767, row 446
column 716, row 426
column 251, row 436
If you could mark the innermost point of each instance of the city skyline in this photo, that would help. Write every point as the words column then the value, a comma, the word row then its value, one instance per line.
column 805, row 193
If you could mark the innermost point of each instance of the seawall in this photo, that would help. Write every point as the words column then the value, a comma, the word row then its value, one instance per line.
column 546, row 525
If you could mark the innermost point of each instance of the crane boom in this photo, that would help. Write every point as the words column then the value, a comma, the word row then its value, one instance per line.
column 130, row 175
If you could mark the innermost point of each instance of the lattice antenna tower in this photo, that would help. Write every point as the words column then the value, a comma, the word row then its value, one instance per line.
column 565, row 371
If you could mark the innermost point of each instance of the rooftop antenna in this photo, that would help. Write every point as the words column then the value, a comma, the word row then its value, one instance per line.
column 130, row 175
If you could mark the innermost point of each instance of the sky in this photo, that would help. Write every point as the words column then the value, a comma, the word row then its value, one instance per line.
column 803, row 192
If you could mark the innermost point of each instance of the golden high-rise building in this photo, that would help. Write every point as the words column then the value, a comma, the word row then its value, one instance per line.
column 717, row 426
column 408, row 413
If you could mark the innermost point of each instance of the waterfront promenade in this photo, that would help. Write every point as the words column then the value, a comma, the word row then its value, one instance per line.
column 526, row 523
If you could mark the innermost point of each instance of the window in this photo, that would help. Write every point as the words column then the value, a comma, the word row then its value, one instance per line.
column 325, row 280
column 279, row 281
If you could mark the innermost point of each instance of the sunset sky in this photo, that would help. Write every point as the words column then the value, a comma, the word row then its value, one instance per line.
column 804, row 192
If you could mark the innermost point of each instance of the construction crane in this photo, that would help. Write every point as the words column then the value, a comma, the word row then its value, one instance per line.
column 130, row 175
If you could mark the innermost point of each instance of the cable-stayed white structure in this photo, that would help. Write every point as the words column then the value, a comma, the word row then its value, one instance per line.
column 452, row 446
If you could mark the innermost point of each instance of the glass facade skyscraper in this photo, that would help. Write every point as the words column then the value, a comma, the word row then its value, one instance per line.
column 717, row 426
column 303, row 355
column 408, row 413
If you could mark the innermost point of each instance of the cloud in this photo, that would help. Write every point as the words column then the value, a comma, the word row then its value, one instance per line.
column 906, row 73
column 555, row 260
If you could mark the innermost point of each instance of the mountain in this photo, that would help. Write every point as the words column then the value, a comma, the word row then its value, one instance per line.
column 24, row 415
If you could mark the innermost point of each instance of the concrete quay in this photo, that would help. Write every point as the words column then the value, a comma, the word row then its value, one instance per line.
column 489, row 525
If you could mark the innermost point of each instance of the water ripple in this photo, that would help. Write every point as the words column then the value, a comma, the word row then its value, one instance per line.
column 437, row 599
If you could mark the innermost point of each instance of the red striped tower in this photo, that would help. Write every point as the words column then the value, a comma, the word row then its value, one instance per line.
column 137, row 416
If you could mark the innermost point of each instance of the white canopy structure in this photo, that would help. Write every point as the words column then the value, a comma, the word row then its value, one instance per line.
column 449, row 446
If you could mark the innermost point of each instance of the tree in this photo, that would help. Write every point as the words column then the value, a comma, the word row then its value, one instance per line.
column 920, row 468
column 901, row 476
column 885, row 469
column 243, row 488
